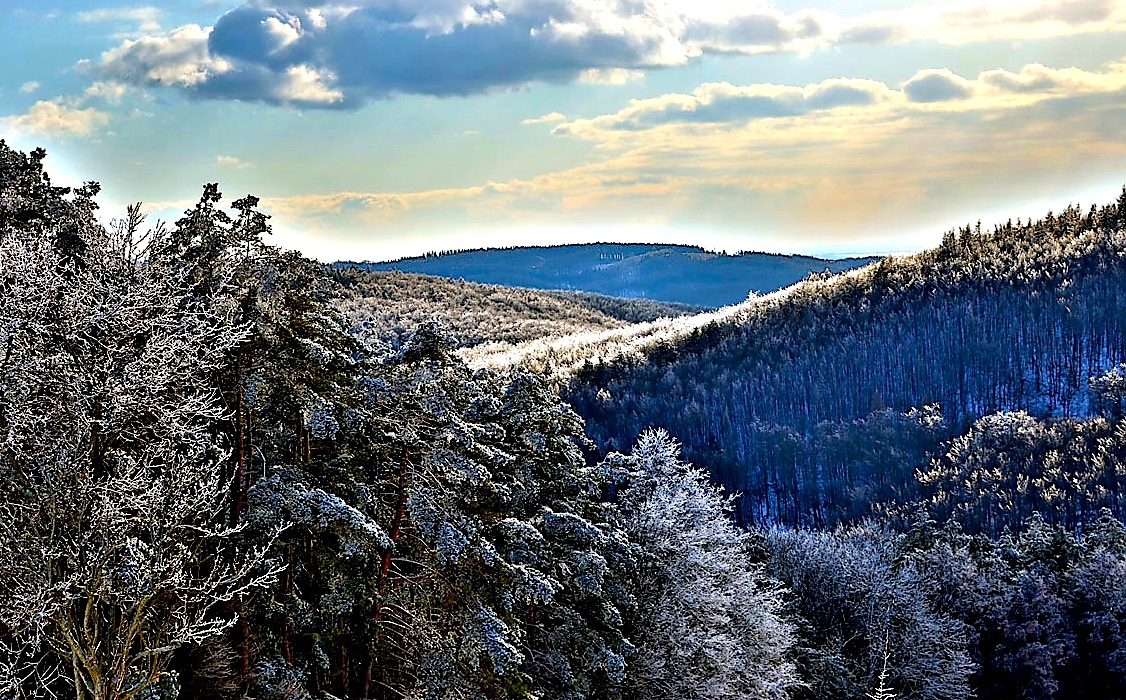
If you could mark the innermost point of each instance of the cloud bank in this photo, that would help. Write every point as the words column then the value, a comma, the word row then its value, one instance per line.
column 837, row 159
column 734, row 107
column 342, row 55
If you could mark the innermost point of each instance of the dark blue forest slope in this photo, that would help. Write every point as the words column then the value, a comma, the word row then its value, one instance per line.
column 672, row 273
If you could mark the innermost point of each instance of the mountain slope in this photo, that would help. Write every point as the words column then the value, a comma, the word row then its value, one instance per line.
column 819, row 401
column 671, row 273
column 385, row 307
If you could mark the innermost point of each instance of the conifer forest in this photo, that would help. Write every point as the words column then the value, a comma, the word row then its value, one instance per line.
column 228, row 471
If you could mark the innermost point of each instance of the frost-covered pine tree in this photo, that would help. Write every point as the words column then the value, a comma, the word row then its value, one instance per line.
column 113, row 547
column 708, row 622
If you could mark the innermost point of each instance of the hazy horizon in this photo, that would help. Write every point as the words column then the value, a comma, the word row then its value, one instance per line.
column 380, row 129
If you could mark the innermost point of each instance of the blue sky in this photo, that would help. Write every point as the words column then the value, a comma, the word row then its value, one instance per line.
column 374, row 129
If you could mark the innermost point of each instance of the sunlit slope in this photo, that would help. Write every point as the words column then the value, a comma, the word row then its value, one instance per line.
column 383, row 307
column 565, row 356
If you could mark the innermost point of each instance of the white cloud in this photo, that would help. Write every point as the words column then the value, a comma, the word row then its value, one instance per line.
column 231, row 162
column 146, row 19
column 937, row 85
column 761, row 31
column 285, row 51
column 109, row 91
column 284, row 34
column 1001, row 20
column 180, row 59
column 721, row 103
column 29, row 87
column 610, row 76
column 317, row 19
column 56, row 118
column 840, row 160
column 545, row 119
column 306, row 85
column 902, row 172
column 733, row 107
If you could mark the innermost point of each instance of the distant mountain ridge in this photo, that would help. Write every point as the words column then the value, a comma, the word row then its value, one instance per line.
column 671, row 273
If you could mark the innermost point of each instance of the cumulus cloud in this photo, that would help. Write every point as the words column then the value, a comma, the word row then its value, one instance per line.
column 231, row 162
column 373, row 49
column 283, row 33
column 610, row 76
column 1037, row 79
column 58, row 119
column 29, row 87
column 1004, row 20
column 726, row 103
column 306, row 85
column 107, row 91
column 761, row 31
column 179, row 59
column 385, row 48
column 888, row 166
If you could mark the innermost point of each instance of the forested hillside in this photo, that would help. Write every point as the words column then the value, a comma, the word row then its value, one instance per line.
column 671, row 273
column 209, row 488
column 822, row 401
column 385, row 307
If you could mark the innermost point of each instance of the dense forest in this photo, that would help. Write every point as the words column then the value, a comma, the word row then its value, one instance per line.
column 385, row 307
column 209, row 488
column 822, row 403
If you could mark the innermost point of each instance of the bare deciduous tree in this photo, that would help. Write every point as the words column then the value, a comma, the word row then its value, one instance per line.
column 113, row 546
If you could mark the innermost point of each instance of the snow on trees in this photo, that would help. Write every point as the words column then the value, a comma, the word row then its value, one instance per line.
column 708, row 622
column 171, row 401
column 113, row 548
column 859, row 599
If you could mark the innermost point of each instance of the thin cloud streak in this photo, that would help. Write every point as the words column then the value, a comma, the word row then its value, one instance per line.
column 930, row 89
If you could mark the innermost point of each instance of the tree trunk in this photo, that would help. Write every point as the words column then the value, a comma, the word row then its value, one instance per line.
column 239, row 475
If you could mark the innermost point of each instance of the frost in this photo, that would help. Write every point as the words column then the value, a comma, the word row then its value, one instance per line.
column 534, row 440
column 319, row 418
column 451, row 543
column 490, row 635
column 590, row 570
column 532, row 587
column 279, row 498
column 610, row 662
column 315, row 352
column 253, row 391
column 276, row 678
column 571, row 528
column 521, row 540
column 460, row 469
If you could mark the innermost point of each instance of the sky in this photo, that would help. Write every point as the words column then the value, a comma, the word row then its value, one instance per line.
column 376, row 129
